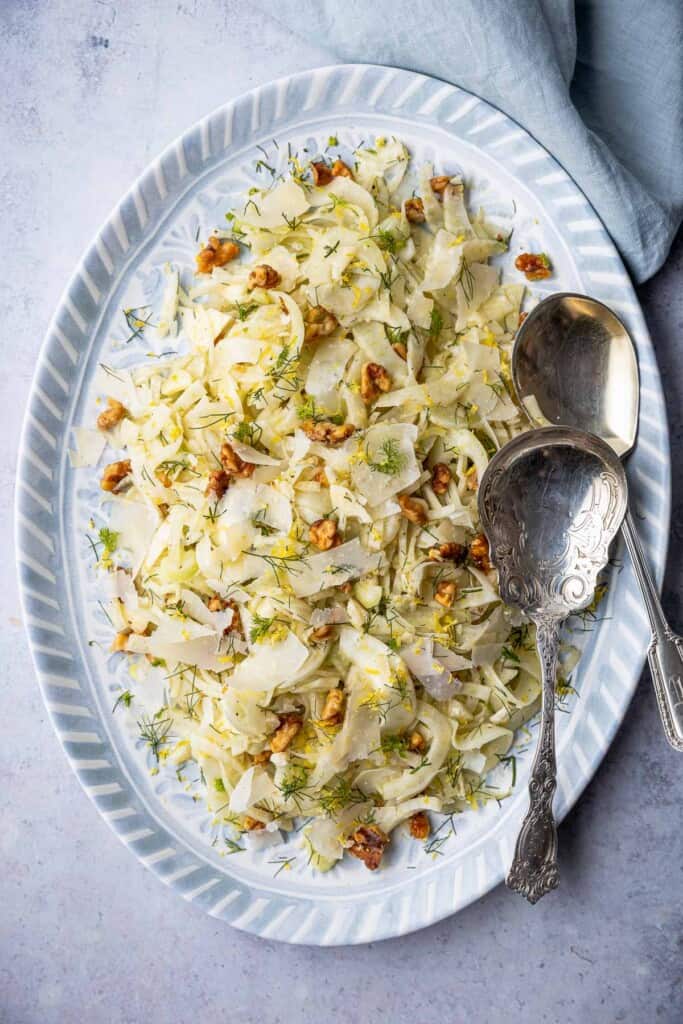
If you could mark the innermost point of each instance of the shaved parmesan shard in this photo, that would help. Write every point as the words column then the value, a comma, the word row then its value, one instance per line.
column 432, row 671
column 334, row 567
column 89, row 447
column 136, row 524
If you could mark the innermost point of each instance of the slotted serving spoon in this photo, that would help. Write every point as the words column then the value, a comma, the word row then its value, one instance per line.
column 550, row 503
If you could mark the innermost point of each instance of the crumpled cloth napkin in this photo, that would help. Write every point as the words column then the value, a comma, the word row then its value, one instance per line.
column 598, row 82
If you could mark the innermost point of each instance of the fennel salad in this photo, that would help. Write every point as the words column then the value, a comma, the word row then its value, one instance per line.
column 291, row 537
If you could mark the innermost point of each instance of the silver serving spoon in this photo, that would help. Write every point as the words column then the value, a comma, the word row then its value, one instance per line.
column 550, row 503
column 574, row 363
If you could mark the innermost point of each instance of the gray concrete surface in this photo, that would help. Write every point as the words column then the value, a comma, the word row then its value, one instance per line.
column 91, row 90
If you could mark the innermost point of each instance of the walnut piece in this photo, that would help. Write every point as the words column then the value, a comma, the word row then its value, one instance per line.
column 233, row 464
column 479, row 552
column 374, row 380
column 263, row 276
column 216, row 254
column 320, row 477
column 441, row 478
column 445, row 593
column 324, row 534
column 320, row 323
column 112, row 415
column 415, row 211
column 449, row 552
column 472, row 479
column 534, row 265
column 322, row 173
column 114, row 474
column 285, row 733
column 261, row 758
column 416, row 742
column 321, row 633
column 369, row 843
column 341, row 170
column 326, row 431
column 419, row 825
column 414, row 509
column 219, row 481
column 333, row 709
column 440, row 183
column 252, row 824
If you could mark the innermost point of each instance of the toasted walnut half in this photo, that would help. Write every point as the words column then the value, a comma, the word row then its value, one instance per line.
column 333, row 709
column 112, row 415
column 324, row 534
column 446, row 592
column 415, row 211
column 285, row 733
column 440, row 183
column 414, row 509
column 320, row 323
column 369, row 843
column 441, row 478
column 341, row 170
column 219, row 481
column 326, row 431
column 216, row 254
column 322, row 173
column 449, row 552
column 263, row 276
column 419, row 825
column 233, row 464
column 374, row 380
column 114, row 474
column 479, row 552
column 534, row 265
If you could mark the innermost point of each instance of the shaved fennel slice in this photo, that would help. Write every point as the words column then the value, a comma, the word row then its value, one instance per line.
column 391, row 465
column 269, row 664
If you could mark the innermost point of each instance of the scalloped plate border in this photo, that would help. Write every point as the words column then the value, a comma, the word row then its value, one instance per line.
column 346, row 89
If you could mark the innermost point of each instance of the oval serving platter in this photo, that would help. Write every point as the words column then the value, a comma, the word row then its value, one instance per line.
column 181, row 197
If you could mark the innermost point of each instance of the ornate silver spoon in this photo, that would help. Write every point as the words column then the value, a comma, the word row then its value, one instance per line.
column 550, row 502
column 574, row 363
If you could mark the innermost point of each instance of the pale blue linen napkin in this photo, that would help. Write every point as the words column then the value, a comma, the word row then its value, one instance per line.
column 598, row 82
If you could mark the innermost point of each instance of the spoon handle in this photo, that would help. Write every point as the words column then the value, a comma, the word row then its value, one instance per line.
column 534, row 870
column 665, row 653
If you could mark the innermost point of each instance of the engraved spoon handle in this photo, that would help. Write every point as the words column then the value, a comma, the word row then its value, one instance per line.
column 534, row 870
column 665, row 653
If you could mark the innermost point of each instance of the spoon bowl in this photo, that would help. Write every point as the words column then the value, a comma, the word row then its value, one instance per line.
column 574, row 364
column 550, row 503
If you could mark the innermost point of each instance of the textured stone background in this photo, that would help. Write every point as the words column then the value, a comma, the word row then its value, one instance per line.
column 91, row 91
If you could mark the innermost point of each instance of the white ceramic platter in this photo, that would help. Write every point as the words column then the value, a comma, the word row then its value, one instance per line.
column 180, row 198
